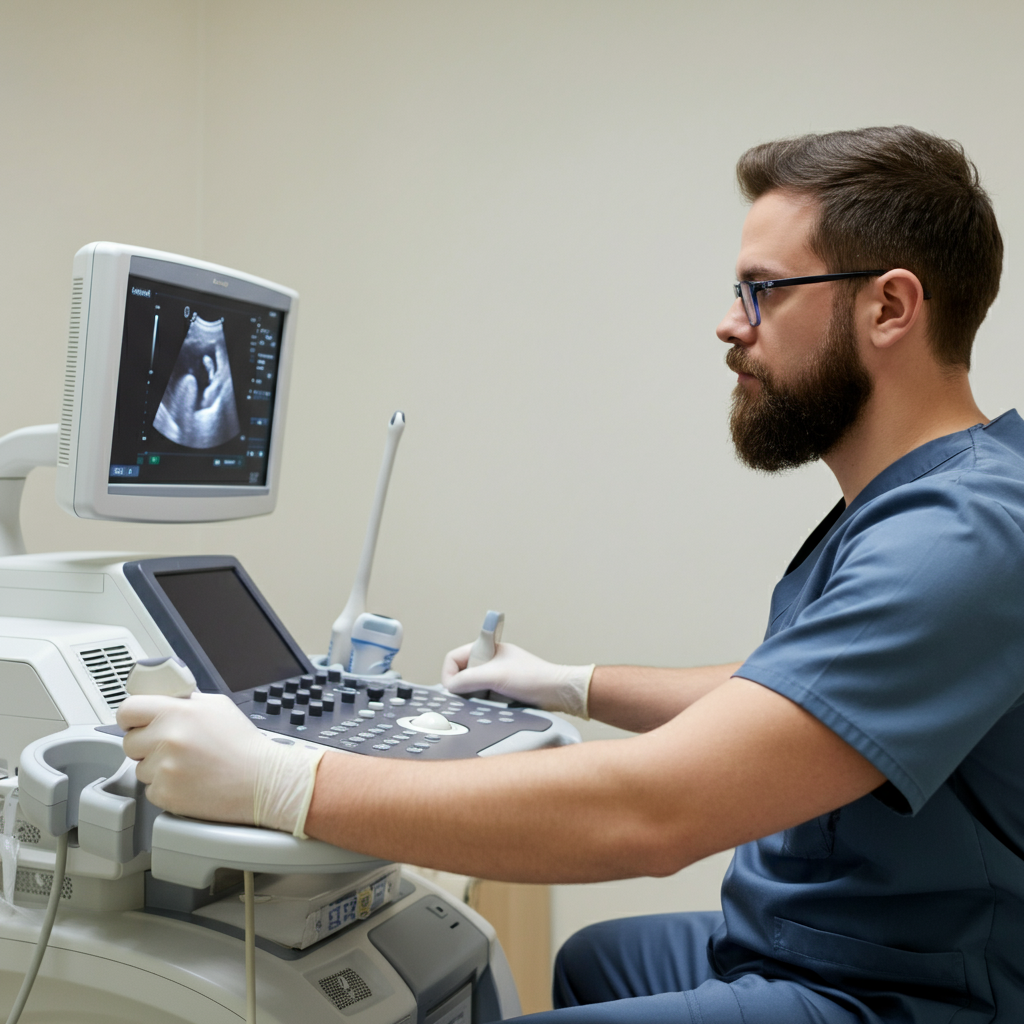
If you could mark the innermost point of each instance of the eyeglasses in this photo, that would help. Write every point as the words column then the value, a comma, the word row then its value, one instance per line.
column 747, row 290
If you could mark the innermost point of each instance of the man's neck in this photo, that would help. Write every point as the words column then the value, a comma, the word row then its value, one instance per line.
column 895, row 422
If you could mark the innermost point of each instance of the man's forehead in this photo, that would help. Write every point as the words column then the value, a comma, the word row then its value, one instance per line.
column 774, row 242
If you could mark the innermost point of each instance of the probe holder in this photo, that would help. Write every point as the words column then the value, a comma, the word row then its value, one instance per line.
column 81, row 779
column 56, row 769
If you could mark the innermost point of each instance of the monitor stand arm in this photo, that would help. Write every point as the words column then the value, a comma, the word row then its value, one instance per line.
column 20, row 452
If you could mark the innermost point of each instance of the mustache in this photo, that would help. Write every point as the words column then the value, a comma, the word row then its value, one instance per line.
column 738, row 360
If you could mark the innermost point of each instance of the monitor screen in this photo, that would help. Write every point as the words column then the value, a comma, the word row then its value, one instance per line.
column 175, row 388
column 233, row 631
column 195, row 387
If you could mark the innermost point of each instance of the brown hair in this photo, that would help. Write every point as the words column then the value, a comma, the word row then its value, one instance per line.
column 895, row 197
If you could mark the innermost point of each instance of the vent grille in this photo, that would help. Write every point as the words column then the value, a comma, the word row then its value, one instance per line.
column 109, row 668
column 345, row 988
column 24, row 832
column 70, row 374
column 39, row 883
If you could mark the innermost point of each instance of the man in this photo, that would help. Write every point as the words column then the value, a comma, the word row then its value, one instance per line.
column 867, row 759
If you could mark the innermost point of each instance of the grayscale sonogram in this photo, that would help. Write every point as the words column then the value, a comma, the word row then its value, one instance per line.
column 198, row 408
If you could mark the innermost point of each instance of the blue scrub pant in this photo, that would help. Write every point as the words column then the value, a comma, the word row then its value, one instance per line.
column 654, row 970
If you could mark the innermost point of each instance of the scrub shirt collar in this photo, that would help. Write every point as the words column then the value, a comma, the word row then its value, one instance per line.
column 914, row 464
column 928, row 457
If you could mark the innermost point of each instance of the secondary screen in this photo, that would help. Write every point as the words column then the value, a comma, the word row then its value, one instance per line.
column 195, row 390
column 231, row 628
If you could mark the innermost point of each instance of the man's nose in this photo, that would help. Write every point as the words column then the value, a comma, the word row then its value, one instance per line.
column 735, row 327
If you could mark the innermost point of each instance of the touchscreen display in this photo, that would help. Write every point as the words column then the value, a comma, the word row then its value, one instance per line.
column 195, row 389
column 230, row 626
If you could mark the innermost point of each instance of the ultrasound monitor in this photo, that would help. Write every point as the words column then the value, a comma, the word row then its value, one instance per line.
column 175, row 388
column 217, row 621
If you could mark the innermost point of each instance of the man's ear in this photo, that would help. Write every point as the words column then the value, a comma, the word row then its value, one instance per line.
column 895, row 303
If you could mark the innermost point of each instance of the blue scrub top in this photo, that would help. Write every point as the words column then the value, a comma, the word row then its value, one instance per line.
column 903, row 632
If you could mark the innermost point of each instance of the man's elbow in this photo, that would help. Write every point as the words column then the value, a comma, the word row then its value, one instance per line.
column 662, row 849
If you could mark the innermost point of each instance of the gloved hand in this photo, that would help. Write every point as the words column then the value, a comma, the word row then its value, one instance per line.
column 201, row 757
column 522, row 676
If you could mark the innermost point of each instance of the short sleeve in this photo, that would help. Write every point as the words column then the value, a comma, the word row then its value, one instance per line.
column 914, row 647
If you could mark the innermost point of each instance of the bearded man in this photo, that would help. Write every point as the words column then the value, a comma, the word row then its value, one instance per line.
column 867, row 759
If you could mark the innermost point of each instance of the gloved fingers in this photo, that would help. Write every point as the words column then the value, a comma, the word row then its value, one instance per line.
column 454, row 662
column 197, row 756
column 152, row 722
column 505, row 669
column 137, row 712
column 472, row 679
column 160, row 787
column 145, row 772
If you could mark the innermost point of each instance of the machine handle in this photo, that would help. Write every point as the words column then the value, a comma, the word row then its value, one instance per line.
column 189, row 852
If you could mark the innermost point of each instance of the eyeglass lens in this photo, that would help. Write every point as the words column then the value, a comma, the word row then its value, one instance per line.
column 749, row 303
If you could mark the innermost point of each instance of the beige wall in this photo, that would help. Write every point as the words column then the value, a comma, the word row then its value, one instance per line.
column 513, row 219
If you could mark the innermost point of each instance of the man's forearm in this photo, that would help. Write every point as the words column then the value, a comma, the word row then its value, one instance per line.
column 572, row 814
column 741, row 762
column 640, row 699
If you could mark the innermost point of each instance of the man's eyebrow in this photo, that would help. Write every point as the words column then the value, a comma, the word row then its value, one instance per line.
column 757, row 272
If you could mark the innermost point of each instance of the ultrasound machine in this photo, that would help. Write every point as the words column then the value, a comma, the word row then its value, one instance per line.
column 173, row 410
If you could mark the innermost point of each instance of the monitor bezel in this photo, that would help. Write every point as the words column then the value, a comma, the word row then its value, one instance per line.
column 102, row 270
column 144, row 577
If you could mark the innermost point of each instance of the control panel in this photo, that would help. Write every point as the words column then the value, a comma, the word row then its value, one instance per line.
column 386, row 718
column 223, row 629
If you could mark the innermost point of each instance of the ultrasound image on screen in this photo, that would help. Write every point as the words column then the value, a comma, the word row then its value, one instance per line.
column 198, row 409
column 196, row 387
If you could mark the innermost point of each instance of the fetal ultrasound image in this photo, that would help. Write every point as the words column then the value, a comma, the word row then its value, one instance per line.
column 198, row 408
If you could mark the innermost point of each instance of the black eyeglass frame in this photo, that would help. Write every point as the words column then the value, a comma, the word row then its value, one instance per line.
column 743, row 289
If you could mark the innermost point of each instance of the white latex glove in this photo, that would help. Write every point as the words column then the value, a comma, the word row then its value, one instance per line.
column 201, row 757
column 522, row 676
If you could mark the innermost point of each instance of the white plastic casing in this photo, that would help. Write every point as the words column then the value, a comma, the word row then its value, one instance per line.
column 99, row 288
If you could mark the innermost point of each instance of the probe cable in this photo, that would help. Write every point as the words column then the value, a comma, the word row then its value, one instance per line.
column 250, row 950
column 59, row 870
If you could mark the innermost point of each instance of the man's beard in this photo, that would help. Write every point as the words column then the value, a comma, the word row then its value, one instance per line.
column 782, row 426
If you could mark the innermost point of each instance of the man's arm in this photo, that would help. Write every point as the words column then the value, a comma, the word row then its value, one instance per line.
column 640, row 699
column 739, row 763
column 630, row 697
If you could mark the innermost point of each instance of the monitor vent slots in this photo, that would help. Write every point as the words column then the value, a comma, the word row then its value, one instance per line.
column 70, row 374
column 109, row 668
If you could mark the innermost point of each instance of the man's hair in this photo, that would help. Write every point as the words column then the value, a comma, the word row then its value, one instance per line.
column 895, row 198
